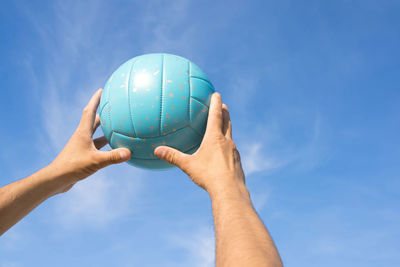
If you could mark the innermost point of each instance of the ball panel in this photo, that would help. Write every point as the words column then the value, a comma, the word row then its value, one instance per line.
column 144, row 95
column 140, row 148
column 198, row 116
column 195, row 71
column 104, row 96
column 157, row 164
column 105, row 120
column 182, row 140
column 118, row 100
column 150, row 164
column 201, row 90
column 175, row 95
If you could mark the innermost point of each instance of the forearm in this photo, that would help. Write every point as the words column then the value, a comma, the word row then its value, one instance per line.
column 241, row 237
column 79, row 159
column 19, row 198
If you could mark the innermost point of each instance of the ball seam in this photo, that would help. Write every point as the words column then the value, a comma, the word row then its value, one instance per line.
column 190, row 93
column 161, row 94
column 129, row 98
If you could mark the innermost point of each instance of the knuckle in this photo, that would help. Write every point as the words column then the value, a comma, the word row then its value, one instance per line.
column 219, row 137
column 232, row 144
column 171, row 157
column 113, row 157
column 86, row 110
column 212, row 137
column 217, row 114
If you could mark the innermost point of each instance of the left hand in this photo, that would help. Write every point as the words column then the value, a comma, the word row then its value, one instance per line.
column 81, row 157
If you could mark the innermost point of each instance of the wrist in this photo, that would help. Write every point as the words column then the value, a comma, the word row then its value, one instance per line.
column 236, row 190
column 47, row 181
column 59, row 176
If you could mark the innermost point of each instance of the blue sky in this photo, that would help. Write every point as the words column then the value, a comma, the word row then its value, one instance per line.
column 314, row 93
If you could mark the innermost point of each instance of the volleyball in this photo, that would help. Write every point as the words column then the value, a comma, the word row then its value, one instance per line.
column 153, row 100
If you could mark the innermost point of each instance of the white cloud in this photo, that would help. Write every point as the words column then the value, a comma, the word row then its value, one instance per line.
column 164, row 25
column 199, row 246
column 314, row 150
column 97, row 201
column 12, row 239
column 72, row 70
column 254, row 159
column 16, row 239
column 9, row 264
column 172, row 27
column 64, row 87
column 260, row 199
column 270, row 151
column 243, row 86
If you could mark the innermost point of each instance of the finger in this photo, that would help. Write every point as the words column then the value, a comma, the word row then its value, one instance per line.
column 96, row 123
column 227, row 128
column 114, row 156
column 89, row 112
column 100, row 142
column 171, row 155
column 214, row 121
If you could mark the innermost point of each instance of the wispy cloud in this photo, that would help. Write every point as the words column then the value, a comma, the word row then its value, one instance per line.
column 65, row 87
column 73, row 68
column 97, row 201
column 254, row 159
column 199, row 246
column 12, row 239
column 11, row 242
column 270, row 151
column 314, row 151
column 166, row 28
column 260, row 199
column 10, row 264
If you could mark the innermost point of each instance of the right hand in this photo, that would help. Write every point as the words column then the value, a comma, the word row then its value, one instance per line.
column 216, row 165
column 81, row 156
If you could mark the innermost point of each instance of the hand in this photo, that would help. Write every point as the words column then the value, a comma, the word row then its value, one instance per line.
column 81, row 156
column 215, row 166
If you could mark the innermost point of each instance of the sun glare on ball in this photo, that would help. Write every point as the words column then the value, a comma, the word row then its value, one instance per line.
column 142, row 79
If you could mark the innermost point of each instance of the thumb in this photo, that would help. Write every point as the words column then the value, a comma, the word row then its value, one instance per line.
column 114, row 156
column 170, row 155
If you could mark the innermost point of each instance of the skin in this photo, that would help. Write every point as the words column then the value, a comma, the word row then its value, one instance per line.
column 79, row 159
column 241, row 237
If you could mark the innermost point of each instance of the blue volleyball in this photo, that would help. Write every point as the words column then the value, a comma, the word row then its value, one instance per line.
column 153, row 100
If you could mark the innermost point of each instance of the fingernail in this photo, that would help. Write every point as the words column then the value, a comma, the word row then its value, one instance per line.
column 160, row 152
column 123, row 154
